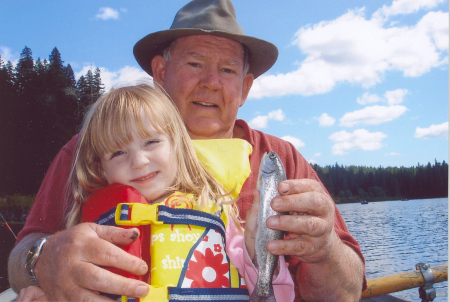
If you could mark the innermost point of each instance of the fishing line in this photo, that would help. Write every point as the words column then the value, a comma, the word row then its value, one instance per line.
column 8, row 226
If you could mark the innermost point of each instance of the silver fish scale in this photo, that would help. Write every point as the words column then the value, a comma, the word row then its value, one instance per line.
column 271, row 173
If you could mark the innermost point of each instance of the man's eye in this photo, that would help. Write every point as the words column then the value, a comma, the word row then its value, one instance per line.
column 227, row 70
column 194, row 64
column 117, row 153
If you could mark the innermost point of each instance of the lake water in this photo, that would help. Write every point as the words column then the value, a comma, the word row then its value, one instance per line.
column 396, row 235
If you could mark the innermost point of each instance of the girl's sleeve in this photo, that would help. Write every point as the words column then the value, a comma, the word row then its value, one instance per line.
column 283, row 284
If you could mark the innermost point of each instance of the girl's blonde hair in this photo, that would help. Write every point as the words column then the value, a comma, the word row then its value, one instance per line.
column 108, row 127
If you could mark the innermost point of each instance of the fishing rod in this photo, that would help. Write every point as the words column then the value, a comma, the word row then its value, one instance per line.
column 8, row 226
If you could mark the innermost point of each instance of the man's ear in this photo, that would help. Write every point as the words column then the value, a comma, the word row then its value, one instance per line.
column 159, row 69
column 247, row 84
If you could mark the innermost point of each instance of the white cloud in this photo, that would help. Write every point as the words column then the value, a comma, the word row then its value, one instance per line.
column 7, row 55
column 326, row 121
column 276, row 115
column 432, row 131
column 407, row 7
column 106, row 13
column 360, row 139
column 368, row 98
column 391, row 97
column 395, row 96
column 313, row 159
column 435, row 24
column 261, row 121
column 125, row 76
column 298, row 143
column 359, row 50
column 372, row 115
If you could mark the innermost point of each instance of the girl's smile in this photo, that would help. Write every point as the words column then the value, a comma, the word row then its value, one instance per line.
column 146, row 177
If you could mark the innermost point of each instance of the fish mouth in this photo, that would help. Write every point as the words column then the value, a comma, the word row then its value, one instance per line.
column 205, row 104
column 269, row 162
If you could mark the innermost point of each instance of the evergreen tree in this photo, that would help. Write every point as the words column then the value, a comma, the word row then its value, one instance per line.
column 70, row 77
column 99, row 87
column 24, row 70
column 40, row 68
column 56, row 70
column 6, row 77
column 83, row 93
column 23, row 128
column 90, row 88
column 8, row 102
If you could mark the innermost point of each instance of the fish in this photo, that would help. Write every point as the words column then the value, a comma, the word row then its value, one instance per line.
column 271, row 173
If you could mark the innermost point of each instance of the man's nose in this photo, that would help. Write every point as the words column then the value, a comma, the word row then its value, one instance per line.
column 211, row 78
column 139, row 160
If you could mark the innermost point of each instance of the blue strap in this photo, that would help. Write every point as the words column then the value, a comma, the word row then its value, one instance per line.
column 107, row 218
column 208, row 294
column 187, row 216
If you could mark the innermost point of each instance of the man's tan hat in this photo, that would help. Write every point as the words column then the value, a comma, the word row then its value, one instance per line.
column 206, row 17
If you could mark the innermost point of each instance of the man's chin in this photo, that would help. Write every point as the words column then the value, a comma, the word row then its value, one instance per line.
column 209, row 132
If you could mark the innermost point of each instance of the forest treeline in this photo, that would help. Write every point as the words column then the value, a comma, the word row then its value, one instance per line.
column 42, row 107
column 356, row 183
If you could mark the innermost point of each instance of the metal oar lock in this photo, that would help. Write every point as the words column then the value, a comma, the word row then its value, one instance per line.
column 426, row 292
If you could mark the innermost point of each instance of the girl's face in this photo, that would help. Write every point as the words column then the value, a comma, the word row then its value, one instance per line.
column 147, row 164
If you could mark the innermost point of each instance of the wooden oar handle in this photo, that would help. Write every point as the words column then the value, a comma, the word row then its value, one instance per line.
column 403, row 281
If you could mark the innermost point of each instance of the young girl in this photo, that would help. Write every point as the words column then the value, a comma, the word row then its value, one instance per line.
column 134, row 136
column 135, row 160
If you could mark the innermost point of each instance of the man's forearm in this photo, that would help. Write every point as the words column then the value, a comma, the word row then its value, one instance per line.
column 338, row 278
column 17, row 274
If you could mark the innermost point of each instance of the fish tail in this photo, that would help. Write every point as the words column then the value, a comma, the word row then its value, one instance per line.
column 255, row 298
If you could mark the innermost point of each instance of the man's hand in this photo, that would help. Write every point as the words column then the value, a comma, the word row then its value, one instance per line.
column 68, row 268
column 310, row 223
column 329, row 269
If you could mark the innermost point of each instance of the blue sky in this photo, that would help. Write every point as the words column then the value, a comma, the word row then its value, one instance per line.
column 357, row 82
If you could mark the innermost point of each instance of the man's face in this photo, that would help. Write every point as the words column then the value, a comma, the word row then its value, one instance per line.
column 205, row 78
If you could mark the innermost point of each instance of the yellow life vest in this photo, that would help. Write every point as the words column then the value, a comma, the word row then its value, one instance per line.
column 227, row 160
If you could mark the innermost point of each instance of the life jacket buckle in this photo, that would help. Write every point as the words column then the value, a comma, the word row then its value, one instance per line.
column 141, row 214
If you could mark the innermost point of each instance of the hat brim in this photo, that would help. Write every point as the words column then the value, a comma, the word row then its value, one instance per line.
column 262, row 54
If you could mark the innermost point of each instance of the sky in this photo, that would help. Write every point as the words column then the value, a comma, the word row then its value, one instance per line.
column 357, row 82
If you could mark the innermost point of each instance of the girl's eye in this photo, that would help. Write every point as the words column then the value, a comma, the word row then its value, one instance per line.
column 151, row 142
column 117, row 153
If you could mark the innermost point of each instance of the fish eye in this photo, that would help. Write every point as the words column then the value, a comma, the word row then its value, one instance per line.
column 272, row 155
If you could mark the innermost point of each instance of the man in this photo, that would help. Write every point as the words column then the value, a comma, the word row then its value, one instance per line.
column 207, row 65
